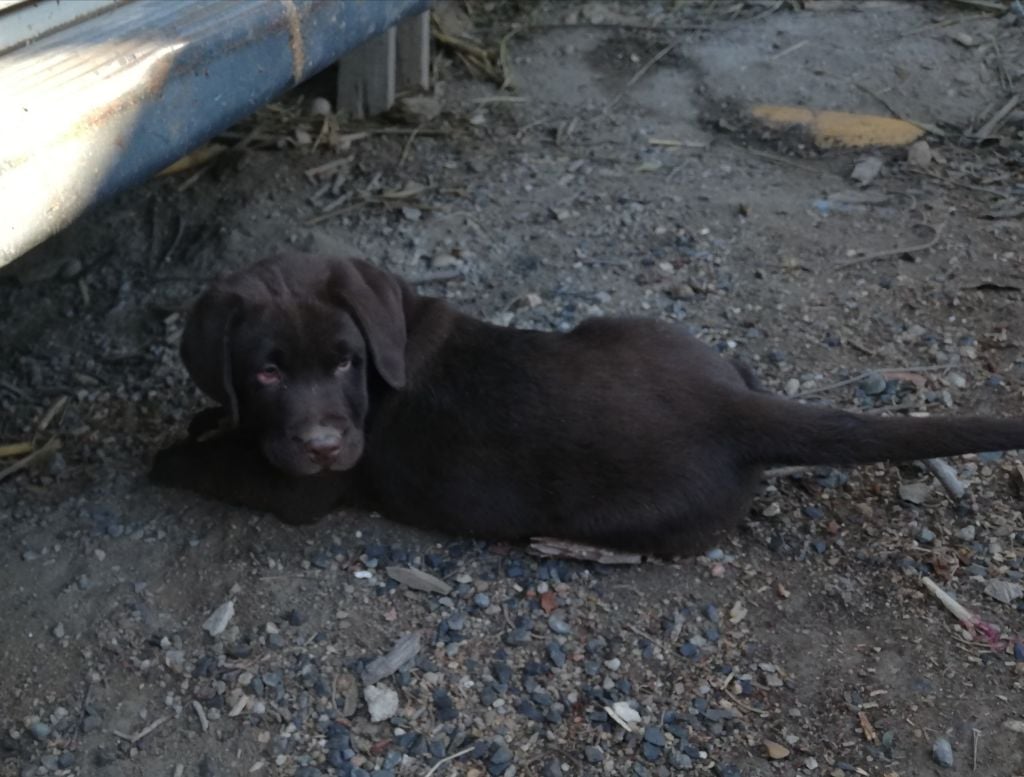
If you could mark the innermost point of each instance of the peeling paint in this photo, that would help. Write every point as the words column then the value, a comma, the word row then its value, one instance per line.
column 295, row 40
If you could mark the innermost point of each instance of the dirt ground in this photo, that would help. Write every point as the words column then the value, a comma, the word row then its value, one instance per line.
column 617, row 174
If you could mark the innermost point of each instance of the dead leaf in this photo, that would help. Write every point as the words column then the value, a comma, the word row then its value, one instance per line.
column 404, row 651
column 1004, row 591
column 916, row 493
column 547, row 602
column 838, row 128
column 418, row 580
column 624, row 715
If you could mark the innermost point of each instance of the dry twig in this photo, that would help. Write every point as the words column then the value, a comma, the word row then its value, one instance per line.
column 640, row 74
column 447, row 759
column 907, row 249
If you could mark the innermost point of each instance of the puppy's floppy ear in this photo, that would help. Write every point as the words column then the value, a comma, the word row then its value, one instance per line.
column 374, row 298
column 206, row 346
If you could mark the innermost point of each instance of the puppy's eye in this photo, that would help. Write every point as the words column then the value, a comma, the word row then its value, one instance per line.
column 342, row 366
column 269, row 375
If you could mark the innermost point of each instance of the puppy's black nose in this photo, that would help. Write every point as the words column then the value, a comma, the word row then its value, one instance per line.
column 323, row 445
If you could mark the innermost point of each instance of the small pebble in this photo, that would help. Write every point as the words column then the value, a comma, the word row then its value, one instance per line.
column 219, row 619
column 967, row 533
column 321, row 106
column 873, row 384
column 593, row 754
column 653, row 735
column 517, row 637
column 381, row 702
column 942, row 752
column 39, row 731
column 556, row 622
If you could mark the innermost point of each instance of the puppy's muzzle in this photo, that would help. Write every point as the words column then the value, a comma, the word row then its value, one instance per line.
column 322, row 444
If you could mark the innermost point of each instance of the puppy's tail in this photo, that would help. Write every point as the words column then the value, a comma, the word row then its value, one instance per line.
column 776, row 431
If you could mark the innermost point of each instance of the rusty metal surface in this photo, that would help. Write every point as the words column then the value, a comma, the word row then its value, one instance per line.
column 100, row 106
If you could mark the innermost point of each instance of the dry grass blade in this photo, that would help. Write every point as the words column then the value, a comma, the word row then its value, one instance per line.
column 10, row 450
column 51, row 447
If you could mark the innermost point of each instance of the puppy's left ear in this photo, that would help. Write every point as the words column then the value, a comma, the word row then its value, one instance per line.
column 206, row 346
column 374, row 298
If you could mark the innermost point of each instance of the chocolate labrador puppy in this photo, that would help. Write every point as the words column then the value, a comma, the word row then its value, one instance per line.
column 338, row 384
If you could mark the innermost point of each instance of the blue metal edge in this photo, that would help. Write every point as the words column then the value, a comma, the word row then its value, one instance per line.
column 228, row 58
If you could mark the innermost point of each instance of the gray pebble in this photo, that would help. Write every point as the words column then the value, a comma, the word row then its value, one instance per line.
column 593, row 754
column 556, row 654
column 558, row 625
column 501, row 756
column 926, row 535
column 39, row 731
column 942, row 752
column 967, row 532
column 91, row 723
column 873, row 384
column 482, row 600
column 517, row 637
column 715, row 554
column 653, row 735
column 677, row 759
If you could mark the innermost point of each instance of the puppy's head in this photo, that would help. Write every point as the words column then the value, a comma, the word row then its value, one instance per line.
column 289, row 345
